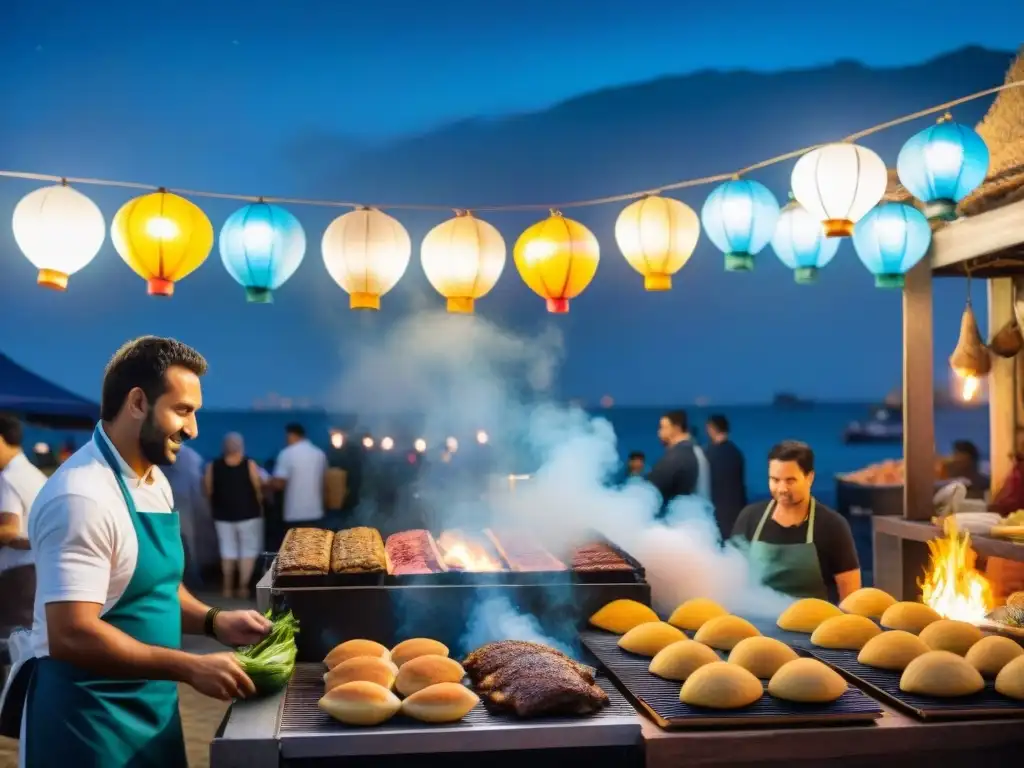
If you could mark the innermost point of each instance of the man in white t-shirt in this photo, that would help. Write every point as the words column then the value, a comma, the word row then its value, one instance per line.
column 299, row 471
column 20, row 483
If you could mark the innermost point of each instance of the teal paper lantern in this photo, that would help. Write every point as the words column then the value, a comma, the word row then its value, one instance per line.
column 739, row 217
column 261, row 246
column 942, row 165
column 800, row 243
column 890, row 240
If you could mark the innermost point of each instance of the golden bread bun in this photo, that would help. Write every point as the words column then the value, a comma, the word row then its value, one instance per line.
column 868, row 601
column 1010, row 680
column 372, row 669
column 949, row 635
column 892, row 650
column 721, row 685
column 848, row 631
column 761, row 656
column 806, row 681
column 620, row 616
column 350, row 649
column 360, row 703
column 649, row 638
column 990, row 654
column 941, row 673
column 805, row 615
column 681, row 659
column 440, row 703
column 725, row 631
column 910, row 617
column 425, row 671
column 417, row 646
column 692, row 614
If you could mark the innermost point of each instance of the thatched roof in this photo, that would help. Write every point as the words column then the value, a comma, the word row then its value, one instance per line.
column 1003, row 130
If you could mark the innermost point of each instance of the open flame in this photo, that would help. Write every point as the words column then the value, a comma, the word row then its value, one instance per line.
column 952, row 585
column 461, row 553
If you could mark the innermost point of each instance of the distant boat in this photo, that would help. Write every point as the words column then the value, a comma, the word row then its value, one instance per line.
column 884, row 425
column 789, row 400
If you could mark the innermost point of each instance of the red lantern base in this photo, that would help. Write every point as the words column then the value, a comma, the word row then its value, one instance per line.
column 838, row 227
column 558, row 306
column 460, row 305
column 158, row 286
column 359, row 300
column 51, row 278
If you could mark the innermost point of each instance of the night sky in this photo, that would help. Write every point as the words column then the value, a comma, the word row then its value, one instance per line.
column 231, row 95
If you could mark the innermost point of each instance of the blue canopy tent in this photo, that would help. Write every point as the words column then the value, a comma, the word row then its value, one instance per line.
column 42, row 402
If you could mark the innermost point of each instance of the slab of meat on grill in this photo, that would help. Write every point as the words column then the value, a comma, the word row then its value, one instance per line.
column 358, row 550
column 489, row 658
column 411, row 552
column 598, row 557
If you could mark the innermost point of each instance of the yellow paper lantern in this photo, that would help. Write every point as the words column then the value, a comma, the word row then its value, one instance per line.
column 163, row 237
column 463, row 259
column 366, row 252
column 657, row 235
column 557, row 258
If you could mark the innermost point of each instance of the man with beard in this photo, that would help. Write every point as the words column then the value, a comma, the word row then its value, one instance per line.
column 110, row 608
column 797, row 546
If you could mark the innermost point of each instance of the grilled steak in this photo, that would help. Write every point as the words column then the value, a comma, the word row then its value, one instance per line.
column 358, row 550
column 305, row 552
column 598, row 557
column 488, row 659
column 412, row 552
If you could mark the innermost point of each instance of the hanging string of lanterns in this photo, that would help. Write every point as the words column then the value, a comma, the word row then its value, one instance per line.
column 837, row 192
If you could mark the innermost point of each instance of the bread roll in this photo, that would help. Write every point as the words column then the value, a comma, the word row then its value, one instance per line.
column 620, row 616
column 418, row 646
column 761, row 656
column 681, row 659
column 892, row 650
column 949, row 635
column 1010, row 680
column 440, row 703
column 806, row 681
column 350, row 649
column 721, row 686
column 805, row 615
column 910, row 617
column 425, row 671
column 990, row 654
column 847, row 631
column 725, row 631
column 360, row 703
column 692, row 614
column 941, row 673
column 372, row 669
column 868, row 601
column 649, row 638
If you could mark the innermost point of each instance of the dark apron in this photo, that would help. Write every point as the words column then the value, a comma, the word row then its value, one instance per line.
column 792, row 569
column 77, row 718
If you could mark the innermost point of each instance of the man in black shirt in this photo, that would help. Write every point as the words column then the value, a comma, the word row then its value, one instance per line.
column 797, row 546
column 728, row 485
column 677, row 470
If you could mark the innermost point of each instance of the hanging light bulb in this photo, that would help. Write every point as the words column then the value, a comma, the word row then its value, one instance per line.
column 971, row 360
column 838, row 184
column 657, row 236
column 739, row 217
column 366, row 252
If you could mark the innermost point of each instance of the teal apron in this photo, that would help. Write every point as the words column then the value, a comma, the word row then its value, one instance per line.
column 792, row 569
column 77, row 718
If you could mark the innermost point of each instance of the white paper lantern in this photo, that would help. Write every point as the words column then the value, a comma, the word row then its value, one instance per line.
column 838, row 184
column 463, row 259
column 60, row 231
column 366, row 252
column 657, row 236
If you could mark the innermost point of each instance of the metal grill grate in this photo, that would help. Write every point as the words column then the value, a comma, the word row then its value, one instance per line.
column 661, row 697
column 886, row 684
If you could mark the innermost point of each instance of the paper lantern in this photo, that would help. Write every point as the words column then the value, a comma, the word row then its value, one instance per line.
column 261, row 246
column 163, row 238
column 366, row 252
column 838, row 184
column 463, row 259
column 739, row 217
column 657, row 235
column 557, row 258
column 942, row 165
column 60, row 231
column 800, row 243
column 890, row 240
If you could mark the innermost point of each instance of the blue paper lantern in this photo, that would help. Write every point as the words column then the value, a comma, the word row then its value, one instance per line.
column 739, row 217
column 890, row 240
column 800, row 243
column 261, row 246
column 942, row 165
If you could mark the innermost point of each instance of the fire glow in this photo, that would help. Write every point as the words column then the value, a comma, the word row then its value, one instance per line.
column 463, row 554
column 952, row 586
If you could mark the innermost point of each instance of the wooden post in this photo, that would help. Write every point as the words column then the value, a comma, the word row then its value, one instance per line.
column 918, row 394
column 1002, row 389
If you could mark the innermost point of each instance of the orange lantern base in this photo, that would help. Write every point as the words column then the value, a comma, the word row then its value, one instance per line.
column 460, row 305
column 360, row 300
column 657, row 282
column 51, row 278
column 158, row 286
column 558, row 306
column 838, row 227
